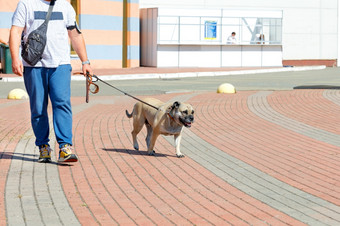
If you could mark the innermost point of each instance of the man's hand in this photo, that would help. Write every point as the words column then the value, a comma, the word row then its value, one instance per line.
column 87, row 68
column 17, row 67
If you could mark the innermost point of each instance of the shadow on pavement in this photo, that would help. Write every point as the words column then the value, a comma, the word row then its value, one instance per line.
column 19, row 156
column 27, row 157
column 134, row 152
column 317, row 87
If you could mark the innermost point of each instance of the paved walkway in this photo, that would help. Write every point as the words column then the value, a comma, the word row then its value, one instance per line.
column 252, row 158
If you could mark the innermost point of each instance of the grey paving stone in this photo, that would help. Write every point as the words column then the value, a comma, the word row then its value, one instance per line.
column 34, row 195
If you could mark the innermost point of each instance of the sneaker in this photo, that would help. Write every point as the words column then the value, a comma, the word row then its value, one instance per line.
column 66, row 155
column 45, row 153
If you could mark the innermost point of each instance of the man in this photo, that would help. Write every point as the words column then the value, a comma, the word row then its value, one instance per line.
column 232, row 38
column 51, row 76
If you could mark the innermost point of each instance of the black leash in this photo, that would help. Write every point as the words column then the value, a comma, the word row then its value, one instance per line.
column 89, row 78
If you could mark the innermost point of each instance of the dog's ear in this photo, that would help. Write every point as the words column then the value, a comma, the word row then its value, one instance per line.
column 176, row 104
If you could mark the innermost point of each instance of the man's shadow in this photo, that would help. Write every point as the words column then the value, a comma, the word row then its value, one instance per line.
column 19, row 156
column 27, row 157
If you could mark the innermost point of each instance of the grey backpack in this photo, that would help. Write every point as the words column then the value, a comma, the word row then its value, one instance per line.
column 34, row 47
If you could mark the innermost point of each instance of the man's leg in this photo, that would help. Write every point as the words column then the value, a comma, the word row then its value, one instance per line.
column 60, row 95
column 37, row 88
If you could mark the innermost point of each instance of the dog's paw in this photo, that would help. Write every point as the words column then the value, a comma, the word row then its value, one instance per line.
column 151, row 153
column 180, row 155
column 136, row 147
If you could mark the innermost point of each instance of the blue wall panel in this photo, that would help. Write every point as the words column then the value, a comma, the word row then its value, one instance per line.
column 133, row 53
column 133, row 24
column 101, row 22
column 104, row 52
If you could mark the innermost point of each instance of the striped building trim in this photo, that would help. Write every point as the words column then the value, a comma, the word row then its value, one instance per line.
column 101, row 22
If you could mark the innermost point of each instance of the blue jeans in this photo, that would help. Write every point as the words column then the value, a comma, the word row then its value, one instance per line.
column 40, row 83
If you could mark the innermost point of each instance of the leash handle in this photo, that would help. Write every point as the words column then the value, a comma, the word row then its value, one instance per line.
column 89, row 82
column 87, row 88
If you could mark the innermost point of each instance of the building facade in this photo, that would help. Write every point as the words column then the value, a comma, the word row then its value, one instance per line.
column 110, row 29
column 310, row 28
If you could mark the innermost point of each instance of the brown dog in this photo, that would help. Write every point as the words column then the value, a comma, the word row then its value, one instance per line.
column 169, row 119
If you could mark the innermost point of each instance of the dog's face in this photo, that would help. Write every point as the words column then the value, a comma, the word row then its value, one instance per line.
column 183, row 113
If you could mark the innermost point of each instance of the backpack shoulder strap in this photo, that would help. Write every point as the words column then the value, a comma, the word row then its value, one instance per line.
column 49, row 13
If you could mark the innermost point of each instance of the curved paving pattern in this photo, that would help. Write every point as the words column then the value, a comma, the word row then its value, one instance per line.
column 254, row 137
column 253, row 158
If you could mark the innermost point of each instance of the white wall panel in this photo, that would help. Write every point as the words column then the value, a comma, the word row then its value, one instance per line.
column 200, row 56
column 251, row 56
column 231, row 56
column 331, row 4
column 308, row 22
column 327, row 48
column 328, row 25
column 271, row 56
column 294, row 49
column 167, row 56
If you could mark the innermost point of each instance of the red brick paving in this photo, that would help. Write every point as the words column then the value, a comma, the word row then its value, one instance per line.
column 148, row 190
column 113, row 184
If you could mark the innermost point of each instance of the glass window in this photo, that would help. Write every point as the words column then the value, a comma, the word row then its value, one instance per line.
column 216, row 30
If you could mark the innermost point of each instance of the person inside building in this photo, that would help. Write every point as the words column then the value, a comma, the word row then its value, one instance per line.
column 232, row 38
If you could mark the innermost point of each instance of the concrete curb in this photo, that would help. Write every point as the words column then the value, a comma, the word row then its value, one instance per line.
column 184, row 74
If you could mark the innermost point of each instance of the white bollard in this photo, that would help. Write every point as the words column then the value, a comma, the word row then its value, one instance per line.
column 226, row 88
column 17, row 94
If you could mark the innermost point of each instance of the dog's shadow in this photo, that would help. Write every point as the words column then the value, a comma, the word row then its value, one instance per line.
column 135, row 152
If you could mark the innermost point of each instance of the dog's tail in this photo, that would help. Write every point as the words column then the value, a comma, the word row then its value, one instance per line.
column 127, row 114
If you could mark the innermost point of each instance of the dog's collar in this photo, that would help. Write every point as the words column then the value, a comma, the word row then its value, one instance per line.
column 171, row 116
